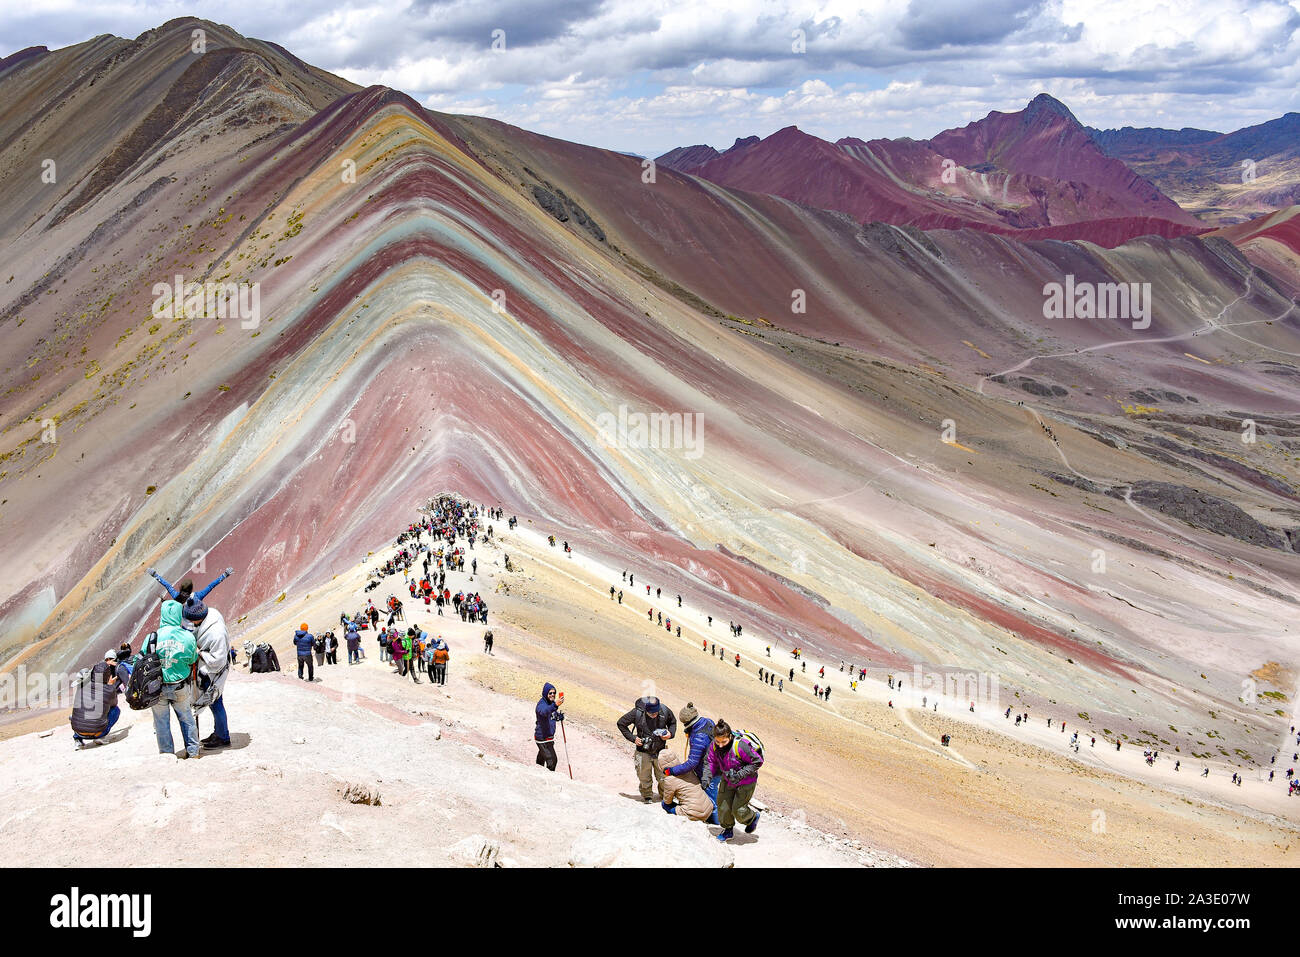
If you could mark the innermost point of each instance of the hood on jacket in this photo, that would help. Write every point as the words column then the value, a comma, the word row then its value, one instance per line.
column 171, row 613
column 547, row 689
column 667, row 759
column 299, row 633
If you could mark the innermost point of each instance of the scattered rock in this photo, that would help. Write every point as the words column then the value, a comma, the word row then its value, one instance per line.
column 362, row 794
column 299, row 740
column 476, row 851
column 632, row 837
column 1210, row 513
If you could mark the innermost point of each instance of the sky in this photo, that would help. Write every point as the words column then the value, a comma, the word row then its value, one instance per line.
column 643, row 76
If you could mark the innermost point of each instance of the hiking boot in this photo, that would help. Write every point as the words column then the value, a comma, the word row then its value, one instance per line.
column 726, row 835
column 749, row 828
column 215, row 744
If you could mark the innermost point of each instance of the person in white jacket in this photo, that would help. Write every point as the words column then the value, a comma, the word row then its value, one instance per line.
column 214, row 666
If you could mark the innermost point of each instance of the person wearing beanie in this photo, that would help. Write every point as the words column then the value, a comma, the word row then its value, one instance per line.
column 213, row 643
column 649, row 725
column 305, row 642
column 700, row 730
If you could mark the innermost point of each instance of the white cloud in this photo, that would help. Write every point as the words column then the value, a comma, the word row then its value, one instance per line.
column 651, row 74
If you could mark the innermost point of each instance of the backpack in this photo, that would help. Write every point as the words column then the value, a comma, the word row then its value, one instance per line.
column 145, row 687
column 751, row 741
column 259, row 665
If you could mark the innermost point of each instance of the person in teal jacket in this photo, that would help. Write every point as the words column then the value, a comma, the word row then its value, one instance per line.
column 179, row 652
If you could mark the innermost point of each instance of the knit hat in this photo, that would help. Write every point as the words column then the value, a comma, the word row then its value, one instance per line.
column 195, row 610
column 303, row 627
column 651, row 705
column 110, row 655
column 688, row 715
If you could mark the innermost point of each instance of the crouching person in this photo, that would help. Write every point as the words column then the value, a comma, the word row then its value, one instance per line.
column 736, row 758
column 94, row 709
column 179, row 652
column 682, row 791
column 700, row 730
column 214, row 666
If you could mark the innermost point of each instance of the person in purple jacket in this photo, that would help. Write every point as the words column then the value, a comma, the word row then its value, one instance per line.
column 736, row 761
column 186, row 586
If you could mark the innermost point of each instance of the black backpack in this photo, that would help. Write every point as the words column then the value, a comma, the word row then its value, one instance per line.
column 145, row 687
column 259, row 664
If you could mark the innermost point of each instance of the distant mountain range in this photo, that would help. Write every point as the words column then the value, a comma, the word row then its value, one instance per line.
column 1221, row 177
column 1036, row 173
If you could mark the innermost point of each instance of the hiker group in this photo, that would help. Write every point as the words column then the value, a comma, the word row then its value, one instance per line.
column 413, row 652
column 181, row 669
column 182, row 666
column 715, row 782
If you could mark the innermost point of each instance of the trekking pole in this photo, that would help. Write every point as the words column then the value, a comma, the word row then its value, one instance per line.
column 565, row 737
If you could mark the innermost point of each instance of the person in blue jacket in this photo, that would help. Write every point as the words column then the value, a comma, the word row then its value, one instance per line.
column 548, row 713
column 700, row 730
column 305, row 642
column 186, row 586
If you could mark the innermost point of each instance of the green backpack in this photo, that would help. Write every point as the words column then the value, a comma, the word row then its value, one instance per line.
column 751, row 741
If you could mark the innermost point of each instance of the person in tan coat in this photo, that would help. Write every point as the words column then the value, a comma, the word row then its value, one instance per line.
column 684, row 791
